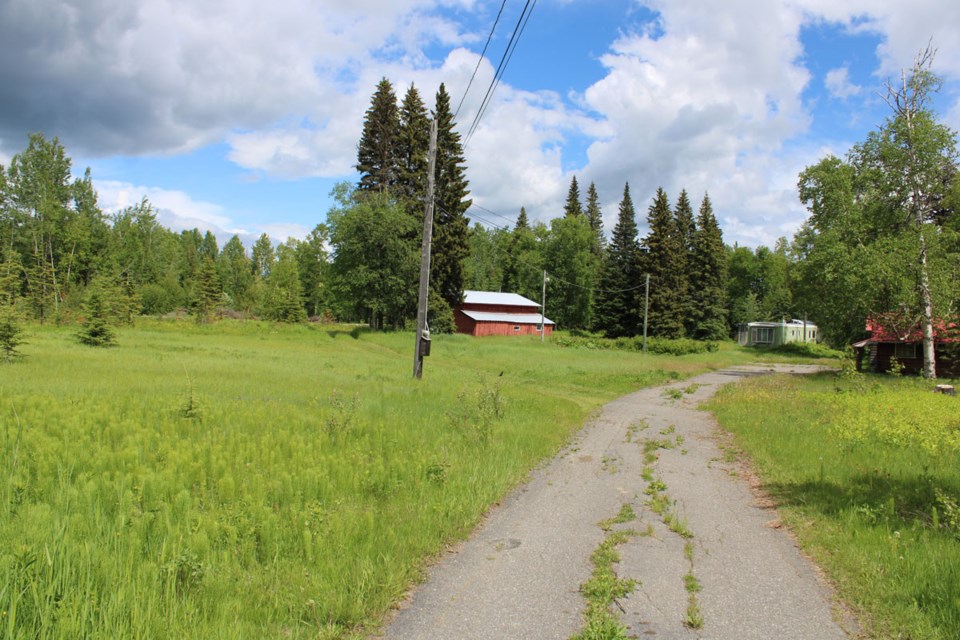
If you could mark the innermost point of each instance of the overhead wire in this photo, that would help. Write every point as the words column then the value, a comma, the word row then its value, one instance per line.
column 501, row 68
column 480, row 59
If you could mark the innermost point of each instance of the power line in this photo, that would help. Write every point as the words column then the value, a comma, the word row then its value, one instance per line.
column 480, row 59
column 501, row 68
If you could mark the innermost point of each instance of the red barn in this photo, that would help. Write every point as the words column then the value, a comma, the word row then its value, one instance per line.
column 487, row 313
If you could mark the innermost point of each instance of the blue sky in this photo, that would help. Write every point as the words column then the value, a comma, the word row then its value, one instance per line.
column 240, row 116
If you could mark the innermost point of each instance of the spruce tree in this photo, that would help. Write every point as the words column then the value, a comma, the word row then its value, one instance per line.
column 595, row 217
column 708, row 277
column 664, row 262
column 572, row 208
column 686, row 226
column 617, row 312
column 412, row 146
column 451, row 226
column 377, row 151
column 208, row 292
column 96, row 330
column 11, row 333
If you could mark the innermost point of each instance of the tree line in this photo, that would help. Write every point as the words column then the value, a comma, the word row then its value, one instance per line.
column 883, row 235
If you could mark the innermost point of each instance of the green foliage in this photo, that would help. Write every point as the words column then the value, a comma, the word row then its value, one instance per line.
column 451, row 200
column 664, row 260
column 121, row 518
column 377, row 150
column 663, row 346
column 595, row 218
column 96, row 330
column 572, row 269
column 708, row 278
column 864, row 480
column 523, row 268
column 374, row 270
column 604, row 587
column 879, row 237
column 617, row 306
column 904, row 416
column 11, row 333
column 809, row 350
column 572, row 208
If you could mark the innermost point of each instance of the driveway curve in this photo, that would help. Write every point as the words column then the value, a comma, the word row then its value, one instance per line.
column 519, row 574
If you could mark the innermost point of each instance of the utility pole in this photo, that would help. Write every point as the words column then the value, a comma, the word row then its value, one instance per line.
column 543, row 308
column 646, row 303
column 422, row 343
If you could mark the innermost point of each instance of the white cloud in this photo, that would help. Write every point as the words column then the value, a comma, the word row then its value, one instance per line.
column 837, row 82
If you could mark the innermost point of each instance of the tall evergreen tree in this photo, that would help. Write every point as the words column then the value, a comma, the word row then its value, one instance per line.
column 572, row 208
column 236, row 274
column 451, row 226
column 413, row 142
column 708, row 277
column 686, row 227
column 663, row 260
column 595, row 217
column 616, row 308
column 377, row 150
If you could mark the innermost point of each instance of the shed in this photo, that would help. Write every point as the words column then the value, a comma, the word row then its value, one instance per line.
column 489, row 313
column 894, row 336
column 775, row 334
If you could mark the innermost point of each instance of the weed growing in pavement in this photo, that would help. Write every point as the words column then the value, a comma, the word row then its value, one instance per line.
column 604, row 587
column 672, row 393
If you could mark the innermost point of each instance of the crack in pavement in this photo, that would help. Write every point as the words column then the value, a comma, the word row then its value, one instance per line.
column 755, row 583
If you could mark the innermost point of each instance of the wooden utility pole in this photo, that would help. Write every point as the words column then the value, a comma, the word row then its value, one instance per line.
column 646, row 303
column 543, row 308
column 423, row 339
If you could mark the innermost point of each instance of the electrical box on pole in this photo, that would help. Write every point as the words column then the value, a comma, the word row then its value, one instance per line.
column 422, row 346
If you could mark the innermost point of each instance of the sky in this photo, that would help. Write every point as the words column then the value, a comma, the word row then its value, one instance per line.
column 239, row 116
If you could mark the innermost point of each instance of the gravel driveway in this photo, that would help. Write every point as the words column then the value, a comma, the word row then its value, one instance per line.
column 519, row 575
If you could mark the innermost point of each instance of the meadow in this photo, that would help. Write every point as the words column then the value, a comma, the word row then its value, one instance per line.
column 249, row 480
column 866, row 472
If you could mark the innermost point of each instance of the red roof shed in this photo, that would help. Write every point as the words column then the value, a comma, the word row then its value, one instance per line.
column 488, row 313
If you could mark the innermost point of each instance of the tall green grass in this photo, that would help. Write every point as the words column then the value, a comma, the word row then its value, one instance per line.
column 244, row 480
column 869, row 491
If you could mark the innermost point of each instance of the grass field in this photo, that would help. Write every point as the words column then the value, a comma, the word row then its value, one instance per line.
column 243, row 480
column 866, row 471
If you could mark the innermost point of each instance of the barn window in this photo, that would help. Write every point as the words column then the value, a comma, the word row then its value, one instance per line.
column 539, row 328
column 905, row 350
column 516, row 327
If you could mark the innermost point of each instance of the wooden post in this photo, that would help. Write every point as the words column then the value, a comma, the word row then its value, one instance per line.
column 425, row 255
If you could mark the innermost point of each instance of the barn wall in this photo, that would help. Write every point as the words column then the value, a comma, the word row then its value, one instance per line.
column 506, row 329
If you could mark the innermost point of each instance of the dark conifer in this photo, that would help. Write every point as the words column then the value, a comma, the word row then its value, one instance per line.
column 683, row 214
column 413, row 143
column 376, row 153
column 709, row 276
column 663, row 261
column 572, row 208
column 451, row 227
column 616, row 304
column 595, row 217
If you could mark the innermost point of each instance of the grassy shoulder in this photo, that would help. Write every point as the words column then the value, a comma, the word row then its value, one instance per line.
column 866, row 472
column 245, row 479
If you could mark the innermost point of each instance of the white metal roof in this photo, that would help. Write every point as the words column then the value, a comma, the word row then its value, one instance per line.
column 515, row 318
column 494, row 297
